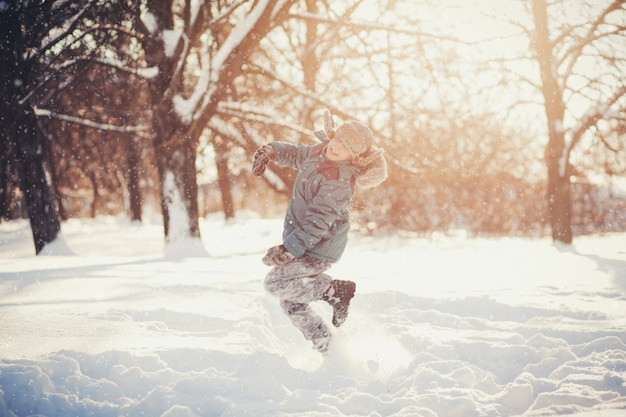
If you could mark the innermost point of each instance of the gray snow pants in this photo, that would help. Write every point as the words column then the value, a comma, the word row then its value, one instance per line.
column 296, row 284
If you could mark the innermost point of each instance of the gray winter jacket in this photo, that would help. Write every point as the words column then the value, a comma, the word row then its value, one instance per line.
column 317, row 220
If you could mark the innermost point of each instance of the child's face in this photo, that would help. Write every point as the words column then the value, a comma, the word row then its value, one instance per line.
column 336, row 151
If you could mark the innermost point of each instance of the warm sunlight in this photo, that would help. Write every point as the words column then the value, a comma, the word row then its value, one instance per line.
column 305, row 208
column 484, row 30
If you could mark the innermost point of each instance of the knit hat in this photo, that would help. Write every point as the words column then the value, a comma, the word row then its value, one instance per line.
column 355, row 136
column 359, row 141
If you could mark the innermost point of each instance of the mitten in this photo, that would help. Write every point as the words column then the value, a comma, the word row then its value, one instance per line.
column 261, row 158
column 277, row 256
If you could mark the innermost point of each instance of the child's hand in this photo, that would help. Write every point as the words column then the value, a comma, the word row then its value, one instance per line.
column 262, row 157
column 277, row 256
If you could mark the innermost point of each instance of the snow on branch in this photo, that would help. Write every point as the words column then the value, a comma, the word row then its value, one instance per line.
column 170, row 38
column 236, row 36
column 277, row 8
column 186, row 107
column 148, row 19
column 85, row 122
column 189, row 109
column 194, row 10
column 225, row 14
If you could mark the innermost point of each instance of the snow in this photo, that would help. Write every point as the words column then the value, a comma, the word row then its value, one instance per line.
column 108, row 323
column 179, row 241
column 150, row 72
column 185, row 107
column 236, row 36
column 277, row 7
column 170, row 41
column 188, row 108
column 78, row 120
column 149, row 20
column 178, row 216
column 192, row 107
column 196, row 6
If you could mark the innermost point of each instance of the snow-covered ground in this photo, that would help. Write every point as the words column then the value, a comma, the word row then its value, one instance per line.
column 112, row 324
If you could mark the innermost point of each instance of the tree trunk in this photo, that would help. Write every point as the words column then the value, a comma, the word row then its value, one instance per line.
column 5, row 168
column 134, row 191
column 176, row 161
column 22, row 139
column 223, row 177
column 94, row 186
column 58, row 197
column 559, row 207
column 558, row 191
column 175, row 149
column 54, row 182
column 38, row 197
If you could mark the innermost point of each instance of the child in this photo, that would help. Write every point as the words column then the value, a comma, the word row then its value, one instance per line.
column 316, row 223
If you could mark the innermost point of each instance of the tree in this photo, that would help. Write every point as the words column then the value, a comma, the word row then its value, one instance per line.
column 24, row 40
column 195, row 69
column 406, row 83
column 46, row 47
column 88, row 100
column 581, row 64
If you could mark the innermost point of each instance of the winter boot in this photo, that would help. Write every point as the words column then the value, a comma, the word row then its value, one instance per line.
column 338, row 296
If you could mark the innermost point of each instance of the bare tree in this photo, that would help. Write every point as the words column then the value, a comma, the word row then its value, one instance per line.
column 581, row 64
column 194, row 71
column 45, row 46
column 25, row 38
column 378, row 72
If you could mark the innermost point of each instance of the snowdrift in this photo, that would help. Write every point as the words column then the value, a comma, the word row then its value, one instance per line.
column 112, row 323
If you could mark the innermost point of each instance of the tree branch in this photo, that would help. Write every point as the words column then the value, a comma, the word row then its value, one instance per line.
column 89, row 123
column 575, row 51
column 140, row 72
column 592, row 117
column 369, row 26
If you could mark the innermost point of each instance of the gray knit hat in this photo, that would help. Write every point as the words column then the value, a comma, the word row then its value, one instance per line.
column 356, row 137
column 359, row 141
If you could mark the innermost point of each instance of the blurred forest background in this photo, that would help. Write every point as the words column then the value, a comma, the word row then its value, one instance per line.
column 499, row 117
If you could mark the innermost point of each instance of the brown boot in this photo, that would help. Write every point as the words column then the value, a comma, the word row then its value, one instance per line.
column 338, row 296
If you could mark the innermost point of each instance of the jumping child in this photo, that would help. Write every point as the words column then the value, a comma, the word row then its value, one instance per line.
column 317, row 221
